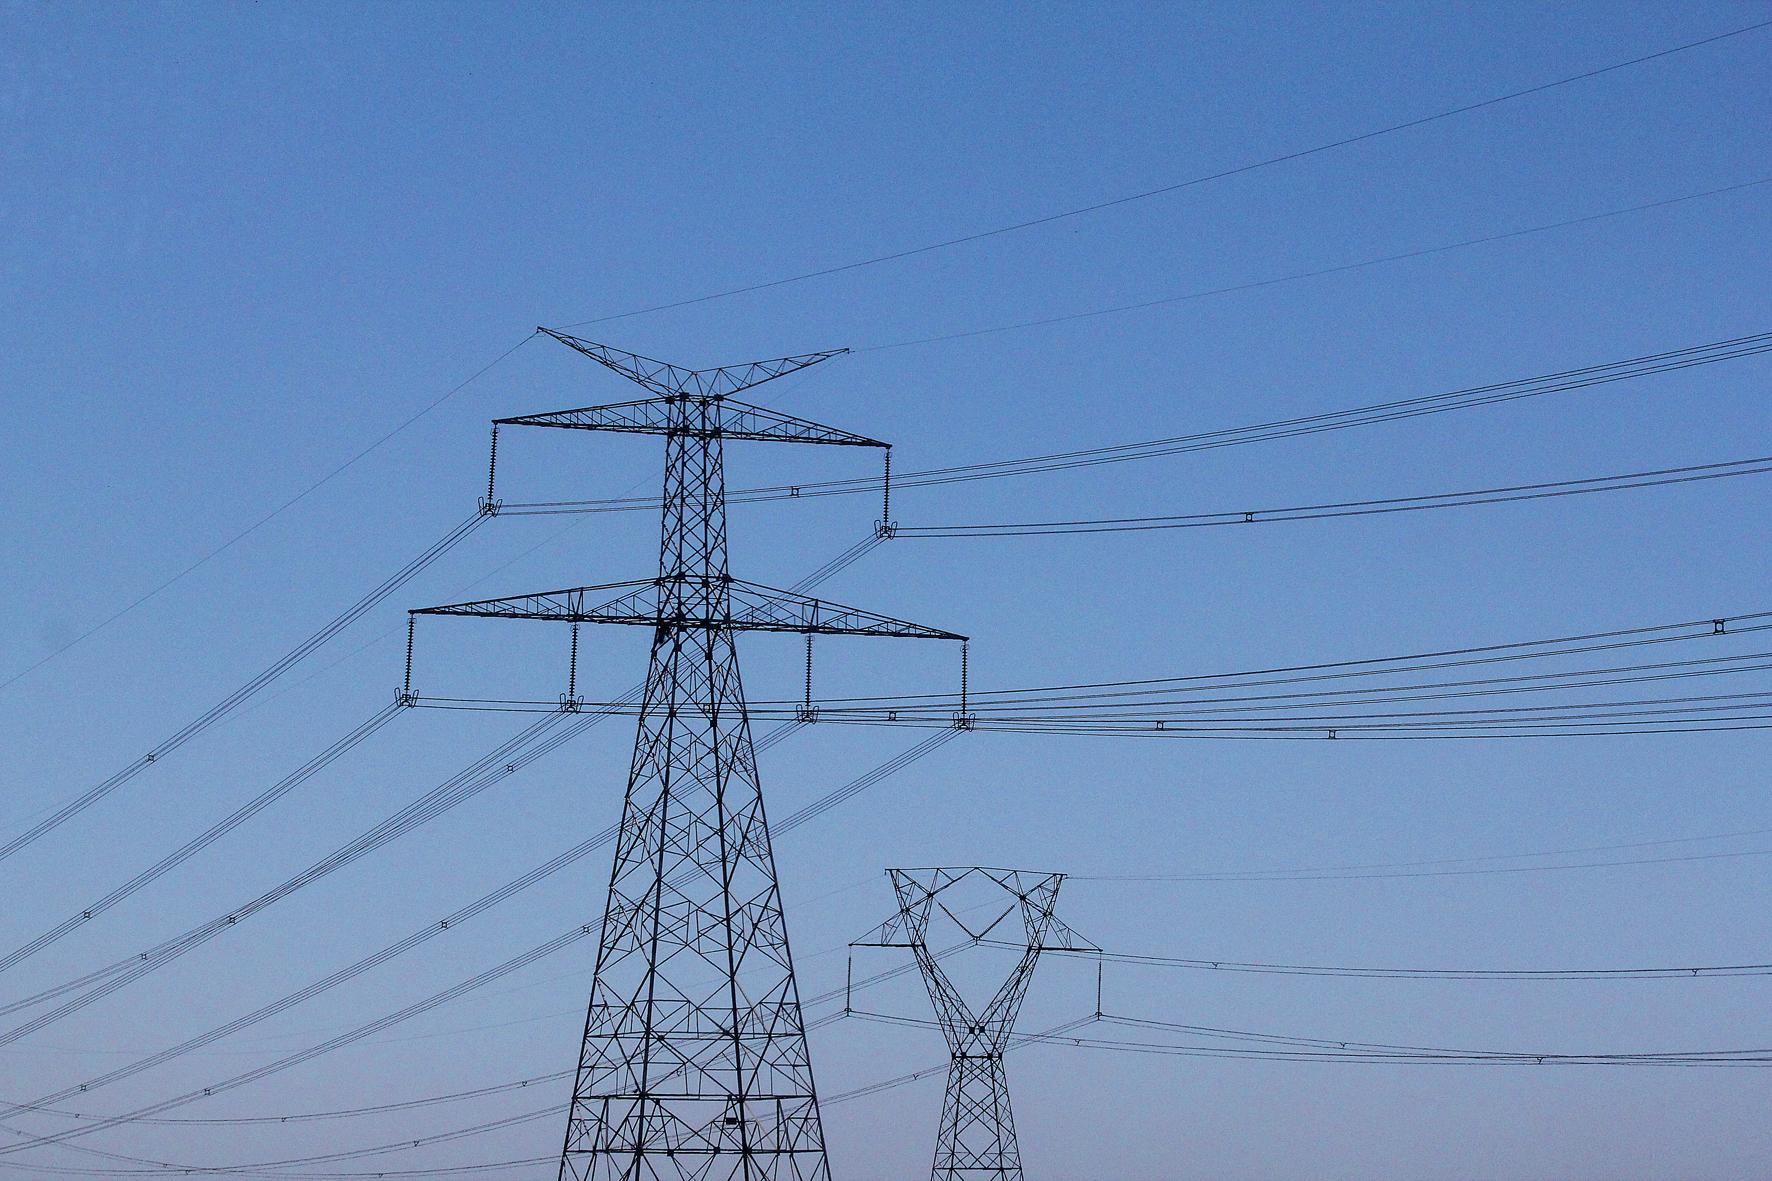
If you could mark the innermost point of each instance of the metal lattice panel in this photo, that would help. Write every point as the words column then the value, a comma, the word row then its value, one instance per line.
column 976, row 1140
column 661, row 377
column 659, row 602
column 694, row 1061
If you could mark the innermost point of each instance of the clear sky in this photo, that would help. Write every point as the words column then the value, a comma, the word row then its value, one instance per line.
column 239, row 244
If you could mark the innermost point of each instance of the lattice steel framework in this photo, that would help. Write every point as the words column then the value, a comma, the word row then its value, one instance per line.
column 976, row 1141
column 694, row 1060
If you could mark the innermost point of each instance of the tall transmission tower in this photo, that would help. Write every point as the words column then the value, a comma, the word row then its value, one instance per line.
column 976, row 1141
column 694, row 1060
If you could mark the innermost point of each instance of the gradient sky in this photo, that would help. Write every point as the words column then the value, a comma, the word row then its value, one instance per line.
column 239, row 244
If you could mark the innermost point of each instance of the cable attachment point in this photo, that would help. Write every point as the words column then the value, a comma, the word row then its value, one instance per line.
column 806, row 713
column 492, row 467
column 404, row 694
column 964, row 720
column 489, row 508
column 886, row 528
column 570, row 701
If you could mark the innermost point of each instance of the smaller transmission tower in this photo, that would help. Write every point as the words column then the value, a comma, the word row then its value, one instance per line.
column 977, row 1137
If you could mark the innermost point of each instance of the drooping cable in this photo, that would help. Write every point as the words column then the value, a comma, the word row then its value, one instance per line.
column 209, row 836
column 804, row 815
column 341, row 1113
column 1508, row 391
column 1361, row 508
column 1279, row 1047
column 530, row 744
column 1372, row 973
column 238, row 697
column 1512, row 651
column 1322, row 272
column 305, row 1055
column 1448, row 866
column 268, row 517
column 1239, row 170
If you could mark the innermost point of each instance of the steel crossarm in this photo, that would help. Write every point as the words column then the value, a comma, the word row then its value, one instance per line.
column 730, row 420
column 658, row 602
column 662, row 377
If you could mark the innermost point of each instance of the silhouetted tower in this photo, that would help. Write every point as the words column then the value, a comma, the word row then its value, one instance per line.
column 694, row 1060
column 977, row 1137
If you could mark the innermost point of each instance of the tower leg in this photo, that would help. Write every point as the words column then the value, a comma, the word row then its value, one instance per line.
column 694, row 1062
column 977, row 1137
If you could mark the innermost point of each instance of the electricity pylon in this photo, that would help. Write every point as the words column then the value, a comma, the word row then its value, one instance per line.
column 977, row 1137
column 694, row 1061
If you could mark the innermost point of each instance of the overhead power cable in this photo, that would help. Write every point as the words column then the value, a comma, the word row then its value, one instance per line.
column 481, row 1168
column 1321, row 272
column 1184, row 703
column 1195, row 709
column 1016, row 1042
column 1437, row 867
column 510, row 762
column 533, row 743
column 206, row 838
column 1508, row 391
column 1200, row 706
column 1277, row 1047
column 1518, row 650
column 268, row 517
column 280, row 1168
column 240, row 696
column 305, row 1055
column 538, row 739
column 1358, row 508
column 1383, row 727
column 805, row 814
column 341, row 1113
column 1435, row 873
column 1368, row 973
column 1297, row 1049
column 1178, row 186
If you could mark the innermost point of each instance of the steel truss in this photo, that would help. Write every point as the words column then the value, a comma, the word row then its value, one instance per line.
column 694, row 1060
column 976, row 1141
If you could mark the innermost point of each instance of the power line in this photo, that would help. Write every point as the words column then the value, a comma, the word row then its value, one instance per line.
column 535, row 741
column 238, row 697
column 1360, row 508
column 1437, row 873
column 1369, row 973
column 264, row 520
column 1333, row 872
column 1200, row 706
column 1382, row 412
column 1279, row 1047
column 305, row 1055
column 429, row 931
column 1323, row 271
column 341, row 1113
column 1177, row 187
column 275, row 1168
column 441, row 1171
column 1621, row 638
column 1298, row 1049
column 208, row 837
column 518, row 752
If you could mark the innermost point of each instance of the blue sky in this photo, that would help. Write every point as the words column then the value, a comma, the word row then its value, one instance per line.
column 240, row 244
